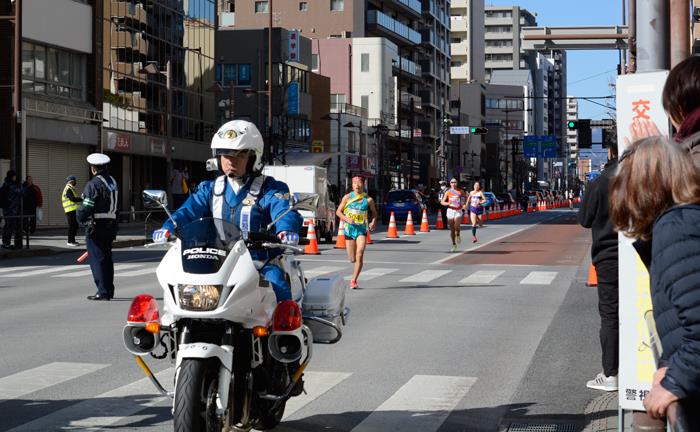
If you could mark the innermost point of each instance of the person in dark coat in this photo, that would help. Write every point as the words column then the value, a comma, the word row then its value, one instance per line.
column 11, row 192
column 594, row 214
column 30, row 203
column 655, row 197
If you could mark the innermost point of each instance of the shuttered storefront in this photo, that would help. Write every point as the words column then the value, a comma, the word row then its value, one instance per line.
column 49, row 163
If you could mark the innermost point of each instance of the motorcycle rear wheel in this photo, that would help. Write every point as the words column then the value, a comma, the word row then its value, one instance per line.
column 195, row 396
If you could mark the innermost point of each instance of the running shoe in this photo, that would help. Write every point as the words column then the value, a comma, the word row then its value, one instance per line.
column 454, row 248
column 458, row 239
column 353, row 284
column 474, row 240
column 602, row 382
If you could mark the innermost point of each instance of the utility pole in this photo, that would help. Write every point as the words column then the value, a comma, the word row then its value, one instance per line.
column 17, row 93
column 632, row 39
column 652, row 35
column 269, row 79
column 680, row 31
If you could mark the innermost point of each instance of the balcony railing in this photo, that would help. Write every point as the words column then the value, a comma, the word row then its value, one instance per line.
column 396, row 27
column 407, row 65
column 346, row 108
column 406, row 101
column 412, row 4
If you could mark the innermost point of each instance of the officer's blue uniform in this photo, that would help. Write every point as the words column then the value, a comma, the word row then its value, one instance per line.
column 272, row 201
column 99, row 211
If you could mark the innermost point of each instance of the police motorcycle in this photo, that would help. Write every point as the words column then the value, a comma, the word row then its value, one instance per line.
column 239, row 355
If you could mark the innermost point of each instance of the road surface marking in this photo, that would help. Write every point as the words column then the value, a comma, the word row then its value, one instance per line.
column 539, row 278
column 482, row 277
column 374, row 273
column 316, row 384
column 149, row 270
column 318, row 271
column 425, row 276
column 104, row 410
column 421, row 405
column 54, row 269
column 20, row 268
column 32, row 380
column 88, row 272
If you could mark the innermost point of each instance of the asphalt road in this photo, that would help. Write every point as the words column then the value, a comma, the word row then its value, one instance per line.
column 502, row 334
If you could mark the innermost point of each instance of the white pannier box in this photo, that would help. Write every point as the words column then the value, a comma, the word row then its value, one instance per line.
column 324, row 298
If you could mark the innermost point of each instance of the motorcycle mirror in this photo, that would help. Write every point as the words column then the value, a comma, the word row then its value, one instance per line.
column 212, row 164
column 304, row 201
column 155, row 198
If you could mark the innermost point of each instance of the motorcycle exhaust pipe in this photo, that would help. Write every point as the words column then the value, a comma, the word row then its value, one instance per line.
column 138, row 341
column 287, row 346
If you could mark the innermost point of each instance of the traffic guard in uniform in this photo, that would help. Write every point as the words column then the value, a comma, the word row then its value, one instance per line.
column 98, row 212
column 244, row 197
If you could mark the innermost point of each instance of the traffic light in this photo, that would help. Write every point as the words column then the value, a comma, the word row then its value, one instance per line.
column 572, row 124
column 478, row 131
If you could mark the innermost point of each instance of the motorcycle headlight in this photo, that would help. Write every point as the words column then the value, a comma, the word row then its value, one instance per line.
column 199, row 297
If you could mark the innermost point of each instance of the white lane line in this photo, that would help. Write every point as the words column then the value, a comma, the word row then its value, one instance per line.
column 29, row 381
column 88, row 272
column 53, row 269
column 374, row 273
column 19, row 268
column 316, row 384
column 149, row 270
column 482, row 277
column 345, row 261
column 318, row 271
column 421, row 405
column 539, row 278
column 425, row 276
column 102, row 411
column 477, row 246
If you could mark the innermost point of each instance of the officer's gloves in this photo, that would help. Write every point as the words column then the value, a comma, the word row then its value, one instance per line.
column 290, row 238
column 161, row 236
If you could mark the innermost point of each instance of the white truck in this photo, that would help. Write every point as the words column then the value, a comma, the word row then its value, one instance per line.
column 310, row 179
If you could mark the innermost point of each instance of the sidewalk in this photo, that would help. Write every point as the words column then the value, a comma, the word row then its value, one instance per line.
column 51, row 241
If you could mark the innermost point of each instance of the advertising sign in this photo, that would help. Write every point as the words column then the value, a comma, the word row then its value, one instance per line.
column 293, row 98
column 638, row 97
column 293, row 45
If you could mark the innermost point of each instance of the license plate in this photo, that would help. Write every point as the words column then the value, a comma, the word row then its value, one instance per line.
column 400, row 205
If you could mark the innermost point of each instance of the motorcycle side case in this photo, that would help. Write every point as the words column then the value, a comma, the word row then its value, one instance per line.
column 324, row 298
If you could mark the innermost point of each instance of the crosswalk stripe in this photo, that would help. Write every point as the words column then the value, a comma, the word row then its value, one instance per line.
column 53, row 269
column 373, row 273
column 539, row 278
column 19, row 268
column 104, row 410
column 482, row 277
column 316, row 384
column 425, row 276
column 88, row 272
column 421, row 405
column 149, row 270
column 318, row 271
column 29, row 381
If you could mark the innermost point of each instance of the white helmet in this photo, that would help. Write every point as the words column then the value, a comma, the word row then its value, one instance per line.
column 239, row 135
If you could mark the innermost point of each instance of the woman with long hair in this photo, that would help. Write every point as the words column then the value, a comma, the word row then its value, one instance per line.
column 655, row 198
column 476, row 199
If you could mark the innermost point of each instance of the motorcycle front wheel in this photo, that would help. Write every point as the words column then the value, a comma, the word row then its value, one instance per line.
column 195, row 396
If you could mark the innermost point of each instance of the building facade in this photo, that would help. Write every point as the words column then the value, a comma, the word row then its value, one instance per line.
column 502, row 35
column 157, row 64
column 467, row 41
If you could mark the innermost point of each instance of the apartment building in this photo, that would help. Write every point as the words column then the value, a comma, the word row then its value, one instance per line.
column 502, row 34
column 467, row 41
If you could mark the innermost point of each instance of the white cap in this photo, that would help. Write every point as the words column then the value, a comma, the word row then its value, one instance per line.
column 98, row 159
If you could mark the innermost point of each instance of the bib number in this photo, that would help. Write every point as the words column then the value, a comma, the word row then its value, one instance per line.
column 355, row 217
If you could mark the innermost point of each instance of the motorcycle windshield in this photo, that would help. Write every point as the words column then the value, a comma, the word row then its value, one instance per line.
column 206, row 243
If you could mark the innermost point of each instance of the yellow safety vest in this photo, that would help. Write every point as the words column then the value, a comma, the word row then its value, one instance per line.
column 68, row 205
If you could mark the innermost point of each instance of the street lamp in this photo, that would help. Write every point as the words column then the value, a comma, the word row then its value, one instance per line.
column 153, row 69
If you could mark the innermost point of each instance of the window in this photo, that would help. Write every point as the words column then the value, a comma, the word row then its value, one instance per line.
column 338, row 5
column 337, row 101
column 229, row 74
column 303, row 6
column 52, row 71
column 244, row 74
column 364, row 102
column 314, row 61
column 364, row 60
column 261, row 6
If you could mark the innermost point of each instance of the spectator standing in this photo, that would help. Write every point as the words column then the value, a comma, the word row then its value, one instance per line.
column 655, row 198
column 71, row 202
column 681, row 100
column 33, row 201
column 179, row 187
column 11, row 200
column 594, row 214
column 441, row 194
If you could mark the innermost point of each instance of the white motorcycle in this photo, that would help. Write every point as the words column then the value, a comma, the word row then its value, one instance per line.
column 239, row 355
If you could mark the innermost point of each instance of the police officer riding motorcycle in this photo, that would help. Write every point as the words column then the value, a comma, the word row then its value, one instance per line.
column 243, row 196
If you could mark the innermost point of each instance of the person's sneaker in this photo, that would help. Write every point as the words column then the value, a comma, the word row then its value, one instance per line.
column 602, row 382
column 353, row 284
column 73, row 244
column 454, row 248
column 458, row 239
column 474, row 240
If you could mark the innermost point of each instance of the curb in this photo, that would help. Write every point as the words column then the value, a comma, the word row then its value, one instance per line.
column 47, row 251
column 601, row 413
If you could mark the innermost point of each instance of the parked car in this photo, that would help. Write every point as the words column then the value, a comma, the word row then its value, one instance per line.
column 492, row 202
column 506, row 198
column 401, row 201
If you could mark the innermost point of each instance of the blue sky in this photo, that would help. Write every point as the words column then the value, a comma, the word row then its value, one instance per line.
column 589, row 72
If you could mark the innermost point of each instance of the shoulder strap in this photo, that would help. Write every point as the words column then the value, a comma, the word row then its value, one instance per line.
column 217, row 199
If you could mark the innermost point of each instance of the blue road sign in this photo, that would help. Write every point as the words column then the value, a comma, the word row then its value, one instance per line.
column 540, row 146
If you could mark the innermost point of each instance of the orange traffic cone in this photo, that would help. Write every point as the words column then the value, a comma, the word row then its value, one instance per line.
column 424, row 226
column 592, row 277
column 340, row 241
column 391, row 232
column 409, row 225
column 439, row 224
column 312, row 247
column 369, row 238
column 465, row 218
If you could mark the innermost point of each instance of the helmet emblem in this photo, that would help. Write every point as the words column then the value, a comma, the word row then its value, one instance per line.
column 230, row 134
